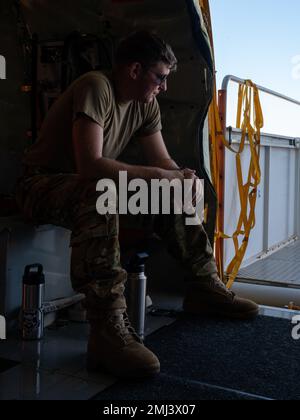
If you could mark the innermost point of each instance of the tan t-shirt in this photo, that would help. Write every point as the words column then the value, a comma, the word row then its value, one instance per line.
column 93, row 95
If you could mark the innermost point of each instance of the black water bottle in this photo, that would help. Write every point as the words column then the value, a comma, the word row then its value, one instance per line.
column 32, row 302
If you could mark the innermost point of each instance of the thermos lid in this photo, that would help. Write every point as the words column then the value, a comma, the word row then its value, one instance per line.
column 33, row 275
column 137, row 269
column 137, row 264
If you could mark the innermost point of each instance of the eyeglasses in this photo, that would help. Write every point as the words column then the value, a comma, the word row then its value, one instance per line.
column 161, row 78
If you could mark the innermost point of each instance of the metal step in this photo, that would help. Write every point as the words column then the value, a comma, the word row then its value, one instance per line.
column 280, row 269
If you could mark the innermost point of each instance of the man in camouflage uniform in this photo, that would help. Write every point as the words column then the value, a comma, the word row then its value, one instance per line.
column 83, row 135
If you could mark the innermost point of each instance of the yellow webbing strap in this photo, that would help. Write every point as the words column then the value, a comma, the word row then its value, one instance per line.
column 250, row 121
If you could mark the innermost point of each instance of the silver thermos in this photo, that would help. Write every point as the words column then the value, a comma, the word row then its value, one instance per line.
column 32, row 302
column 136, row 292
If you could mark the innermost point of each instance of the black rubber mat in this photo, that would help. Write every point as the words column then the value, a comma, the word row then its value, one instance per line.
column 6, row 365
column 166, row 387
column 215, row 359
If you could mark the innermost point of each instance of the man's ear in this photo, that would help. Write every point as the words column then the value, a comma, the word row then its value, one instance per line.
column 135, row 70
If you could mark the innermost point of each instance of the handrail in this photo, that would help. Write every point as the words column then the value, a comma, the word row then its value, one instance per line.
column 232, row 78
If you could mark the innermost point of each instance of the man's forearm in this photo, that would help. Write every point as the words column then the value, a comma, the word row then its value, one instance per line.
column 167, row 164
column 109, row 168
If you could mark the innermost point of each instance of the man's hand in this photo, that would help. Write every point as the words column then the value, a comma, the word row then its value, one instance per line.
column 182, row 174
column 191, row 174
column 171, row 175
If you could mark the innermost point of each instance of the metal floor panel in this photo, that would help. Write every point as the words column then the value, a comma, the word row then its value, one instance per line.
column 281, row 268
column 54, row 368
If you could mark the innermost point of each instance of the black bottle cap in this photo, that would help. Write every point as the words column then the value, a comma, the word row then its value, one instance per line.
column 136, row 264
column 33, row 275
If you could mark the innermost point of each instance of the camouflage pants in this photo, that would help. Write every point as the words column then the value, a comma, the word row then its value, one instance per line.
column 69, row 201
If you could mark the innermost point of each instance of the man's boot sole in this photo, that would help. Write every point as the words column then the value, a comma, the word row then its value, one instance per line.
column 244, row 316
column 135, row 374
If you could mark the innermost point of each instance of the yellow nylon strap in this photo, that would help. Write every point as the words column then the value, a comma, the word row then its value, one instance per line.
column 250, row 121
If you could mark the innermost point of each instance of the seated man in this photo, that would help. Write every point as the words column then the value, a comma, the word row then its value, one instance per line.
column 80, row 141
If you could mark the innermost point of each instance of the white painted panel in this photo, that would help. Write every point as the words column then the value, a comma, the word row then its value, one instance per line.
column 232, row 206
column 282, row 190
column 281, row 200
column 292, row 199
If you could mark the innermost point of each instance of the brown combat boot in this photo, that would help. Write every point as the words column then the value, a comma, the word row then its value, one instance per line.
column 211, row 297
column 113, row 344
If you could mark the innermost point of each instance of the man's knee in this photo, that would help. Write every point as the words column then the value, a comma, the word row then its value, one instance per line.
column 95, row 209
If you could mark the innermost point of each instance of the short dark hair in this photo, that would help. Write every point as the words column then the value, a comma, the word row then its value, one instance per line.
column 146, row 48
